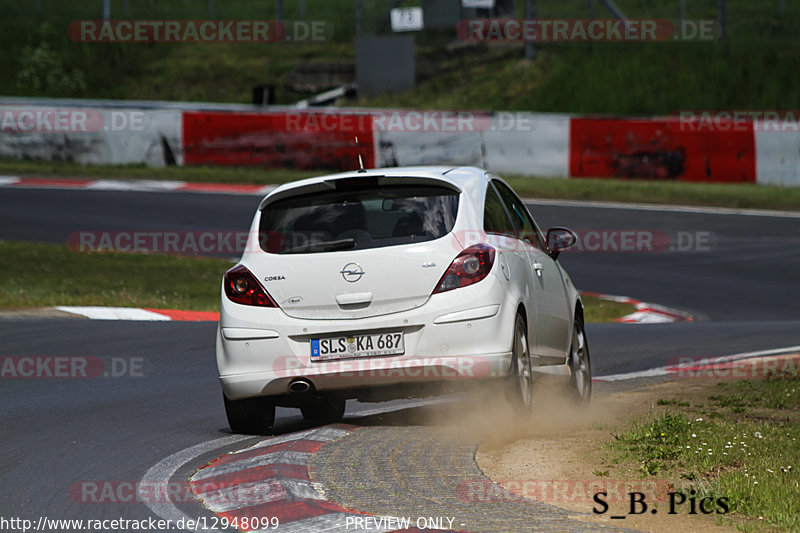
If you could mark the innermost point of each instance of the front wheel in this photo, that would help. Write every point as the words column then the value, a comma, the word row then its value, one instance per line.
column 521, row 375
column 580, row 381
column 250, row 416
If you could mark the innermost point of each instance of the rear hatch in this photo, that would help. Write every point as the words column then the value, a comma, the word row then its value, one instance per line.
column 358, row 247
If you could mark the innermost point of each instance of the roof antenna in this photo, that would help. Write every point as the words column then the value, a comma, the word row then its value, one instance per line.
column 360, row 161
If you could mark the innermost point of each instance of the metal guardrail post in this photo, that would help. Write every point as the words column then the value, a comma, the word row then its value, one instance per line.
column 358, row 17
column 530, row 14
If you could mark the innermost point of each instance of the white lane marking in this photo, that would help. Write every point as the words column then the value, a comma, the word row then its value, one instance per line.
column 8, row 180
column 646, row 317
column 323, row 434
column 398, row 407
column 160, row 474
column 672, row 208
column 113, row 313
column 283, row 457
column 673, row 369
column 241, row 495
column 135, row 185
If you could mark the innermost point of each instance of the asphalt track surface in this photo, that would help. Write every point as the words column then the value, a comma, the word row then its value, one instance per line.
column 57, row 433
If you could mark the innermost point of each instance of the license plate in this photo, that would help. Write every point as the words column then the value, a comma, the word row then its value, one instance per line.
column 357, row 346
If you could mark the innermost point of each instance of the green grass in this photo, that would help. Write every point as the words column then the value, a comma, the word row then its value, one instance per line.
column 734, row 195
column 208, row 174
column 757, row 68
column 43, row 275
column 741, row 444
column 46, row 275
column 655, row 192
column 597, row 310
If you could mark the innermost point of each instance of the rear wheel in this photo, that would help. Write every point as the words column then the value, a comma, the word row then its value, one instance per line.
column 580, row 381
column 250, row 416
column 324, row 409
column 521, row 376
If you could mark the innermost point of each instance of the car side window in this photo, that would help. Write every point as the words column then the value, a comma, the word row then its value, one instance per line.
column 523, row 223
column 495, row 218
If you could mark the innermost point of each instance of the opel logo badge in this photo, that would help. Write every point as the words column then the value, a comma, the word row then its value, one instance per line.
column 352, row 272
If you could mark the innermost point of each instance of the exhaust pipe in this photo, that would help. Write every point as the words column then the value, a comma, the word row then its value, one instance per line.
column 299, row 386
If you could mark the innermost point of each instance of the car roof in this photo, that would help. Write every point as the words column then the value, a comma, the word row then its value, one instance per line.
column 461, row 178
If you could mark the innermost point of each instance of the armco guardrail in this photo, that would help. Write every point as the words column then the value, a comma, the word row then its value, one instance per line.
column 715, row 149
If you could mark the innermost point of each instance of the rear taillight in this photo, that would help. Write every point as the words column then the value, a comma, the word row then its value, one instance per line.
column 470, row 266
column 242, row 287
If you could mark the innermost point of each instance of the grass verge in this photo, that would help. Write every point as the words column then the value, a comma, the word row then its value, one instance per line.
column 205, row 174
column 55, row 275
column 597, row 310
column 742, row 196
column 741, row 443
column 43, row 275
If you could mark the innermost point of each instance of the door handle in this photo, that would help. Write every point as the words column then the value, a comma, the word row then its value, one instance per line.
column 538, row 268
column 354, row 298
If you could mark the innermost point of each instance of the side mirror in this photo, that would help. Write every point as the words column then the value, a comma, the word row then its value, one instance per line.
column 559, row 239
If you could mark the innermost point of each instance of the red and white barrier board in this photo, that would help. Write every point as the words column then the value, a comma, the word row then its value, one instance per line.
column 660, row 148
column 294, row 139
column 526, row 144
column 91, row 135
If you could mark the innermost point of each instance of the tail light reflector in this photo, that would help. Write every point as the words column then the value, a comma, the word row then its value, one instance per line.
column 470, row 266
column 242, row 287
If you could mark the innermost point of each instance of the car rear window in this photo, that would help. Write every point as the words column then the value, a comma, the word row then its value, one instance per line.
column 358, row 218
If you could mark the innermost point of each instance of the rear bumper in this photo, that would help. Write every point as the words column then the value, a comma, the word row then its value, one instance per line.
column 454, row 337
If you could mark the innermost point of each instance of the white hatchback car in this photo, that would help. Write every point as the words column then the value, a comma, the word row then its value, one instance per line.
column 387, row 283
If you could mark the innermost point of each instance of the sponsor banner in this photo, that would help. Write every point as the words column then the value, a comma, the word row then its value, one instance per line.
column 275, row 140
column 660, row 149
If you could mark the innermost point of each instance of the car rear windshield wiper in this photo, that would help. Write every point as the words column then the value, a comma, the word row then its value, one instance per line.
column 322, row 246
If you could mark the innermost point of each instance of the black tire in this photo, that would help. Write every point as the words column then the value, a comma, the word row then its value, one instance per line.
column 580, row 381
column 250, row 416
column 521, row 374
column 324, row 410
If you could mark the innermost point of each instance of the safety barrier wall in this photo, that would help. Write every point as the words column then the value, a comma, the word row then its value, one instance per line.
column 527, row 144
column 661, row 148
column 91, row 135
